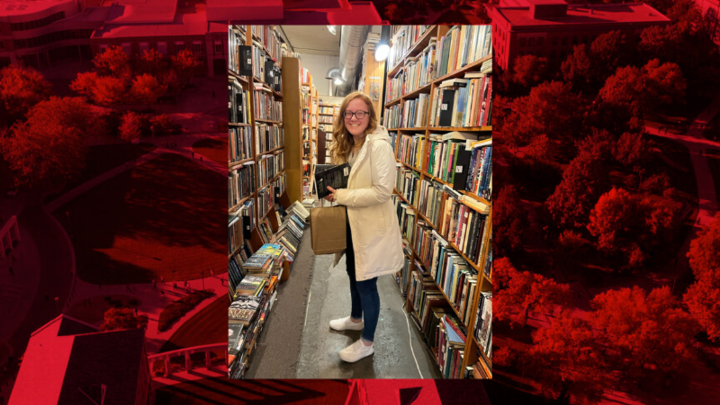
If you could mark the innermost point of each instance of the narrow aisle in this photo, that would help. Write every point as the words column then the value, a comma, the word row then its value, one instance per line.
column 330, row 299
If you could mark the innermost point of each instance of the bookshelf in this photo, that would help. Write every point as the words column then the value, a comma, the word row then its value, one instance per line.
column 326, row 129
column 430, row 202
column 256, row 153
column 310, row 130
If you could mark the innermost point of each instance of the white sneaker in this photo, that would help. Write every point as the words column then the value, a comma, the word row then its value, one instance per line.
column 346, row 324
column 356, row 351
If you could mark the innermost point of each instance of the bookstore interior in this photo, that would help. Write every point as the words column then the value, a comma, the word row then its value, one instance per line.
column 431, row 87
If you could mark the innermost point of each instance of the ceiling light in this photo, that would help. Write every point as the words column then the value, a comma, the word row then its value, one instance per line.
column 381, row 52
column 332, row 29
column 338, row 81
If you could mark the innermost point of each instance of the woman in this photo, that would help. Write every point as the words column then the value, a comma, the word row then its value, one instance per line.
column 374, row 243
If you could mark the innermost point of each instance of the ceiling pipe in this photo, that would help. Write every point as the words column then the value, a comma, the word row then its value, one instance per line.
column 352, row 39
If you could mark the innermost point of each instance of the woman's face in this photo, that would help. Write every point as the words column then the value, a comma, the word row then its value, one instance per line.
column 357, row 126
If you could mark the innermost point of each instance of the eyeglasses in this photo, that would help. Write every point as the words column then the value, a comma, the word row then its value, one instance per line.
column 359, row 114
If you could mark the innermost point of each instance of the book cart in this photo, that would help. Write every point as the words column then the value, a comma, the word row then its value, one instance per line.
column 438, row 214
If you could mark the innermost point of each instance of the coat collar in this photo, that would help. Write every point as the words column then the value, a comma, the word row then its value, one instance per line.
column 379, row 134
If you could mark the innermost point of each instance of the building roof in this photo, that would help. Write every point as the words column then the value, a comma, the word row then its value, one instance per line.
column 181, row 25
column 23, row 7
column 67, row 360
column 582, row 14
column 142, row 11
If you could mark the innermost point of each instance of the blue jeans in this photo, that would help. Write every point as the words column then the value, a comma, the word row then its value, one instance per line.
column 364, row 294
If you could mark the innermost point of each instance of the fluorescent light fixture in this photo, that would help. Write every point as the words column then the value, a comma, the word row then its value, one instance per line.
column 381, row 52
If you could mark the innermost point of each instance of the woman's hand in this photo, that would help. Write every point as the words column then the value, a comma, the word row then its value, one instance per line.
column 331, row 197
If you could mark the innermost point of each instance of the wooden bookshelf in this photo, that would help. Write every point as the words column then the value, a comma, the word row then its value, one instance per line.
column 292, row 120
column 484, row 283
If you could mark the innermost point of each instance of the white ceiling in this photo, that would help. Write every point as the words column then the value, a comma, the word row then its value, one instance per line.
column 312, row 39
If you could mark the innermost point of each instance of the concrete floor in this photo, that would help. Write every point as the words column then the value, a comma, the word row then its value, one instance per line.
column 329, row 299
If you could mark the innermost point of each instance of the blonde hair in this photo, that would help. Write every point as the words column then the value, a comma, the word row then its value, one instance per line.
column 342, row 139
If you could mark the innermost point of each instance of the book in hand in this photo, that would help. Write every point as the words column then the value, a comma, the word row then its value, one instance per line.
column 335, row 176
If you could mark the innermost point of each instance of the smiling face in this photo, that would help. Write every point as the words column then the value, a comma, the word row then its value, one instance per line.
column 355, row 125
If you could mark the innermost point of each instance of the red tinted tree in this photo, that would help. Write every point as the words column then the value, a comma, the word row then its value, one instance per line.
column 130, row 126
column 704, row 253
column 576, row 68
column 146, row 89
column 568, row 361
column 544, row 111
column 703, row 297
column 522, row 292
column 609, row 51
column 150, row 62
column 599, row 143
column 529, row 70
column 186, row 65
column 666, row 84
column 583, row 182
column 644, row 328
column 71, row 112
column 509, row 222
column 109, row 91
column 44, row 156
column 632, row 149
column 113, row 62
column 626, row 89
column 20, row 89
column 84, row 84
column 612, row 220
column 123, row 318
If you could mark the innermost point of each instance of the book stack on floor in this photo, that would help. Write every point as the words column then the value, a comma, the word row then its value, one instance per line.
column 439, row 105
column 254, row 283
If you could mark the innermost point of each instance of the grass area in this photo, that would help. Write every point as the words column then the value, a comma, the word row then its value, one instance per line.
column 92, row 310
column 102, row 158
column 243, row 392
column 206, row 327
column 713, row 159
column 164, row 218
column 213, row 148
column 177, row 309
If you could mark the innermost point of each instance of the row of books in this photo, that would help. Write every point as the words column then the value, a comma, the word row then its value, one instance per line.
column 483, row 323
column 238, row 101
column 461, row 45
column 410, row 149
column 240, row 143
column 329, row 110
column 449, row 270
column 464, row 102
column 481, row 369
column 416, row 73
column 326, row 119
column 415, row 112
column 236, row 38
column 393, row 116
column 266, row 107
column 403, row 38
column 270, row 38
column 308, row 118
column 451, row 347
column 241, row 183
column 305, row 76
column 263, row 67
column 406, row 183
column 406, row 217
column 270, row 165
column 458, row 219
column 268, row 137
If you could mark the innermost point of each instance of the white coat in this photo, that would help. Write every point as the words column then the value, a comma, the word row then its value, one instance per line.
column 377, row 241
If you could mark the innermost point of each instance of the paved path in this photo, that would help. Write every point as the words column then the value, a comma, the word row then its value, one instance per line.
column 707, row 197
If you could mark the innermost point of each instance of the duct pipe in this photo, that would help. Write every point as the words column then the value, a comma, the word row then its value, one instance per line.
column 352, row 39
